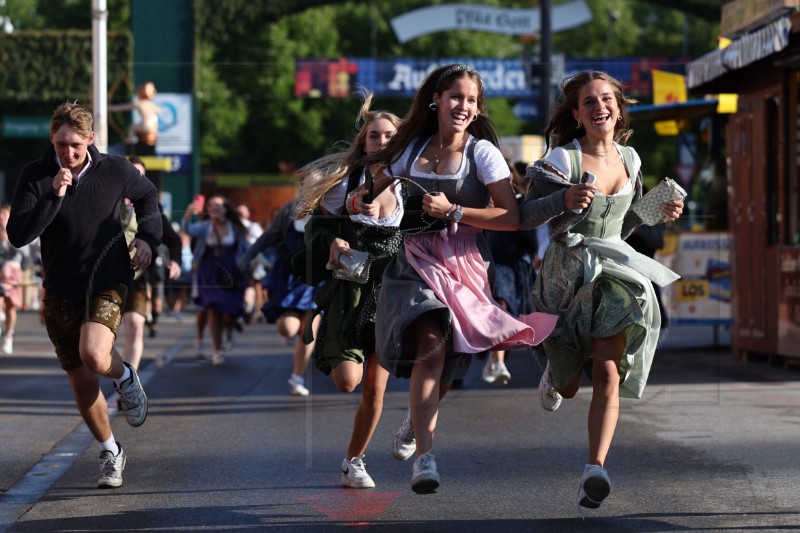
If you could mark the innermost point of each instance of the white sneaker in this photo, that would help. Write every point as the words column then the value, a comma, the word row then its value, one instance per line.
column 217, row 359
column 425, row 477
column 548, row 395
column 496, row 373
column 354, row 474
column 595, row 487
column 111, row 467
column 486, row 374
column 297, row 386
column 8, row 343
column 404, row 443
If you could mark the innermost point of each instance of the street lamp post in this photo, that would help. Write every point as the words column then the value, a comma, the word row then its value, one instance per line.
column 100, row 74
column 546, row 54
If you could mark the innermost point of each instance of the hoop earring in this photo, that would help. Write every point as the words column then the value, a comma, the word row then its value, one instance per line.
column 432, row 106
column 474, row 117
column 619, row 118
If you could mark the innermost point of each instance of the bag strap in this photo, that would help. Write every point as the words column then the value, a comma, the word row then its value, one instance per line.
column 575, row 162
column 352, row 183
column 353, row 179
column 412, row 156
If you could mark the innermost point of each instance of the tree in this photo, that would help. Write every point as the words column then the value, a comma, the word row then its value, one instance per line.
column 249, row 117
column 62, row 14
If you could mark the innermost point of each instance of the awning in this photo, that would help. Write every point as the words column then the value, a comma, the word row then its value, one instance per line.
column 746, row 50
column 674, row 111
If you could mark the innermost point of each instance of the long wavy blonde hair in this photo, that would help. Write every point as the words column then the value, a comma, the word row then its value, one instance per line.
column 323, row 174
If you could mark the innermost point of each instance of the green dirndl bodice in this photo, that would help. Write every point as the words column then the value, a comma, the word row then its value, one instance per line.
column 599, row 286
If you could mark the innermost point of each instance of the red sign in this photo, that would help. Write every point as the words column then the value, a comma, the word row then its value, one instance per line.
column 685, row 172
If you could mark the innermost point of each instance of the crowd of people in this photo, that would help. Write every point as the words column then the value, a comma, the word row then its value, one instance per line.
column 406, row 252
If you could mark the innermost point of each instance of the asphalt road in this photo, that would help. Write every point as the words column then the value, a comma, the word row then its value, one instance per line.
column 714, row 445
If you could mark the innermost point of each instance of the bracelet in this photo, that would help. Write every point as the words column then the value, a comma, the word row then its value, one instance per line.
column 352, row 203
column 453, row 207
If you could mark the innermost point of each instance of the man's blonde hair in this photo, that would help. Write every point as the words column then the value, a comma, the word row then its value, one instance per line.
column 75, row 117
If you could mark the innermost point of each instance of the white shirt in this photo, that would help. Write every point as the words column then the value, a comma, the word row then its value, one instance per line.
column 491, row 165
column 82, row 172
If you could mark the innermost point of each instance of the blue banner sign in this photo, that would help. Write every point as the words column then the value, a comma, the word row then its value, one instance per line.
column 402, row 77
column 504, row 78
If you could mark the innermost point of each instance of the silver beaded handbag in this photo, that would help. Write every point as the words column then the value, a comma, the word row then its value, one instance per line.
column 352, row 269
column 649, row 206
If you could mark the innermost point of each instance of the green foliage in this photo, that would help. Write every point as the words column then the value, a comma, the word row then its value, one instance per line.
column 249, row 119
column 54, row 66
column 631, row 28
column 637, row 28
column 221, row 115
column 63, row 14
column 283, row 128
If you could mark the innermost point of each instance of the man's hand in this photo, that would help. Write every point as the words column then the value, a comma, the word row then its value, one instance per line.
column 174, row 270
column 142, row 256
column 62, row 180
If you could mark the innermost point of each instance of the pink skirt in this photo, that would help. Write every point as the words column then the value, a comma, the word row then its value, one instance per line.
column 11, row 275
column 452, row 266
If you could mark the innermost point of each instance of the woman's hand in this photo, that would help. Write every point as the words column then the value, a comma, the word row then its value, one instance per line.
column 191, row 209
column 356, row 205
column 338, row 246
column 579, row 196
column 672, row 210
column 436, row 204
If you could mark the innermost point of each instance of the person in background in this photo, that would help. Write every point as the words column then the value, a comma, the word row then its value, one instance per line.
column 290, row 301
column 512, row 254
column 11, row 282
column 154, row 279
column 345, row 347
column 435, row 306
column 178, row 288
column 71, row 198
column 252, row 228
column 221, row 243
column 12, row 263
column 251, row 294
column 597, row 284
column 138, row 298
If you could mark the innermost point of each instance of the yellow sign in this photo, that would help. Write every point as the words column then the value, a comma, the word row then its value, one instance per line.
column 692, row 291
column 728, row 103
column 669, row 88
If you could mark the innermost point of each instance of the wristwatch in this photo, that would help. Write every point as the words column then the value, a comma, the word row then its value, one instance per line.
column 458, row 213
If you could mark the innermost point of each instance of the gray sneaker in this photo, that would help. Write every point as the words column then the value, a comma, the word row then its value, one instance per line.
column 425, row 477
column 404, row 443
column 111, row 467
column 132, row 399
column 595, row 487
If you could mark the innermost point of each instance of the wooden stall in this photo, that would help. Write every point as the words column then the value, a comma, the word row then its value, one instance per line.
column 761, row 65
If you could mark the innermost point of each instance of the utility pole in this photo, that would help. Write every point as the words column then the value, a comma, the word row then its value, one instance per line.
column 546, row 54
column 100, row 74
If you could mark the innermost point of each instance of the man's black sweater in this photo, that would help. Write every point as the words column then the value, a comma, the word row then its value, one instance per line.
column 82, row 242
